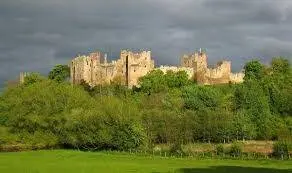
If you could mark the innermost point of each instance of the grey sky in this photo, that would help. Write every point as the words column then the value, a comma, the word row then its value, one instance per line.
column 37, row 34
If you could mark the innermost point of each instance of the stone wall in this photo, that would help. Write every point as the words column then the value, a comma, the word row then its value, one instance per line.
column 94, row 69
column 126, row 70
column 236, row 77
column 208, row 76
column 22, row 76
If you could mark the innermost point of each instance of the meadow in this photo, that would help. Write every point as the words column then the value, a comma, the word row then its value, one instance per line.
column 59, row 161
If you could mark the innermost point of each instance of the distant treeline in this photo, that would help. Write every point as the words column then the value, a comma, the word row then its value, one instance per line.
column 166, row 108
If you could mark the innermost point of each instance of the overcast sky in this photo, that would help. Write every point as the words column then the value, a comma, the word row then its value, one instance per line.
column 37, row 34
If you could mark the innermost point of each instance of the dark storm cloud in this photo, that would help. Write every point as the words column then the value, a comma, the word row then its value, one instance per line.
column 36, row 34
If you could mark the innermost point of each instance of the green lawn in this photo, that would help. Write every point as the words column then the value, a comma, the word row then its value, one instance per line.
column 61, row 161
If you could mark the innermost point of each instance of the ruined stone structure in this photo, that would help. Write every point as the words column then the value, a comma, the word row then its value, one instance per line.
column 209, row 76
column 22, row 76
column 95, row 70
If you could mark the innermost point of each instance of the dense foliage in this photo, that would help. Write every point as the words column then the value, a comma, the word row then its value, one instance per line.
column 166, row 108
column 60, row 73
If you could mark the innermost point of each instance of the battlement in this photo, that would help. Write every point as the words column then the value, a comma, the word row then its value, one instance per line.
column 204, row 75
column 95, row 68
column 128, row 68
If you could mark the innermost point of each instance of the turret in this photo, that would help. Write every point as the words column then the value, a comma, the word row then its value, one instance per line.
column 105, row 59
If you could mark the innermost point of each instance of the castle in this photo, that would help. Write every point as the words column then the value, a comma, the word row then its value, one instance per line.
column 94, row 69
column 196, row 66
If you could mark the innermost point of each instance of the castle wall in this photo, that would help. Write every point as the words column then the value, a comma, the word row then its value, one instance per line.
column 77, row 69
column 126, row 70
column 84, row 68
column 131, row 66
column 208, row 76
column 220, row 74
column 236, row 77
column 22, row 76
column 188, row 61
column 139, row 65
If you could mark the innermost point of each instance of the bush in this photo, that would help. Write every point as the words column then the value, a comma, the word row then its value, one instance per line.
column 219, row 149
column 235, row 149
column 111, row 124
column 280, row 150
column 176, row 149
column 48, row 113
column 198, row 97
column 6, row 137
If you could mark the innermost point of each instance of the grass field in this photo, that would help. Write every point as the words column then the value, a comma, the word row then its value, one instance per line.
column 61, row 161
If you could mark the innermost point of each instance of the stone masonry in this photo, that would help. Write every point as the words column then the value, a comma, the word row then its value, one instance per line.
column 94, row 69
column 208, row 76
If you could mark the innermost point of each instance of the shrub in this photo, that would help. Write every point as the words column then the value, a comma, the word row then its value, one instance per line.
column 280, row 150
column 176, row 149
column 235, row 149
column 219, row 149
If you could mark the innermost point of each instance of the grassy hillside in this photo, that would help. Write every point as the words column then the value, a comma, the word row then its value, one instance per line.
column 59, row 161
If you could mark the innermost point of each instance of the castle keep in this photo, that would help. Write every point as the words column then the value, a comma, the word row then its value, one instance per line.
column 94, row 69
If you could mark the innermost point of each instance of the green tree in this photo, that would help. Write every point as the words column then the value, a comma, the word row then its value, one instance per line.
column 243, row 126
column 60, row 73
column 201, row 97
column 32, row 78
column 153, row 82
column 278, row 87
column 176, row 79
column 253, row 70
column 251, row 99
column 280, row 65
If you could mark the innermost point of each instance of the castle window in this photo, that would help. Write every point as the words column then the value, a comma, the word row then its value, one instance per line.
column 145, row 66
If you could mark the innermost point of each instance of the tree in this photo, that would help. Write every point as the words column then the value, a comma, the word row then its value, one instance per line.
column 176, row 79
column 253, row 70
column 251, row 99
column 60, row 73
column 32, row 78
column 280, row 65
column 244, row 128
column 201, row 97
column 153, row 82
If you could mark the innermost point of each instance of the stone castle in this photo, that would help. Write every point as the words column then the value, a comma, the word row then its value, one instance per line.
column 196, row 66
column 94, row 69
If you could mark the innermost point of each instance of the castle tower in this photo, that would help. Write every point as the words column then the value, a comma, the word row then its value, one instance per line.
column 201, row 66
column 105, row 59
column 135, row 65
column 22, row 76
column 83, row 68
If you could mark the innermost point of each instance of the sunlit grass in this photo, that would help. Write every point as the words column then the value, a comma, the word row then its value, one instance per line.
column 61, row 161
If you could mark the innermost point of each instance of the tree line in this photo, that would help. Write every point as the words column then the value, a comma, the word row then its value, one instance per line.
column 166, row 108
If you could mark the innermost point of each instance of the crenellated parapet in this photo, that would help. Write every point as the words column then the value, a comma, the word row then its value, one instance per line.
column 204, row 75
column 95, row 69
